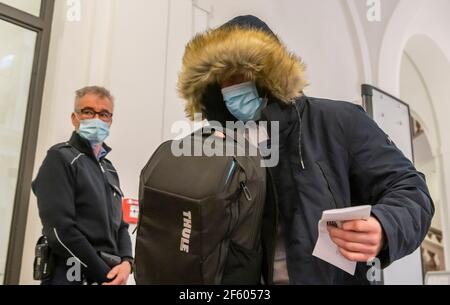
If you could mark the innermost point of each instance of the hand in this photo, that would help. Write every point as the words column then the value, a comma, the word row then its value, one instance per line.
column 119, row 274
column 358, row 240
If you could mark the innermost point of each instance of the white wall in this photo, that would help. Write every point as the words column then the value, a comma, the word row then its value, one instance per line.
column 374, row 31
column 137, row 70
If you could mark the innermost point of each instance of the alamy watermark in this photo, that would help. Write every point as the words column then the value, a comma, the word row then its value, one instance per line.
column 235, row 139
column 374, row 273
column 374, row 10
column 73, row 10
column 73, row 273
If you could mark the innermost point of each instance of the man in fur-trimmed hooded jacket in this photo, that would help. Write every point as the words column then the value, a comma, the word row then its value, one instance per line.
column 332, row 155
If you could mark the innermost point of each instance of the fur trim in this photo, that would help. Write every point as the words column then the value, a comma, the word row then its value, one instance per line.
column 218, row 54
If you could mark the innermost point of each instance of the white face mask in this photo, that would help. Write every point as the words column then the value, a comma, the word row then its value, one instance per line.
column 243, row 101
column 94, row 130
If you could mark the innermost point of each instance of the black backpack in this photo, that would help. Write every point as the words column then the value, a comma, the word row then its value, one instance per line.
column 200, row 217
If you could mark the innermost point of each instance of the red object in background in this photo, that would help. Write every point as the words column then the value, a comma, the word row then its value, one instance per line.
column 130, row 209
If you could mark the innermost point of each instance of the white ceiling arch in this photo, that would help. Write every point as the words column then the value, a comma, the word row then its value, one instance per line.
column 434, row 68
column 360, row 41
column 393, row 45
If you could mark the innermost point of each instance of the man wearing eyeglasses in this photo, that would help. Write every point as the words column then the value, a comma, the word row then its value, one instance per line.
column 79, row 200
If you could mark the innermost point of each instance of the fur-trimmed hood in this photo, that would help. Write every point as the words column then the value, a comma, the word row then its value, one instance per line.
column 243, row 49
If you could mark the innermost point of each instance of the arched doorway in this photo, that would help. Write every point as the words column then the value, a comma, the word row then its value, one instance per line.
column 433, row 257
column 422, row 60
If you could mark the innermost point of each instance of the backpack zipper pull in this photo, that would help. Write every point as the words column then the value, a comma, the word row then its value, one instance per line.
column 247, row 193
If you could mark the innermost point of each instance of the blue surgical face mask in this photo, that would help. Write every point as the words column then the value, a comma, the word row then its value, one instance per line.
column 243, row 101
column 94, row 130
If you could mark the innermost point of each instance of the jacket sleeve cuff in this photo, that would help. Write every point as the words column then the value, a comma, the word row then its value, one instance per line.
column 130, row 260
column 385, row 254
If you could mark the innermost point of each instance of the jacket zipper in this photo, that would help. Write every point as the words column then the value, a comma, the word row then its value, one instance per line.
column 110, row 205
column 248, row 195
column 224, row 245
column 230, row 172
column 223, row 254
column 234, row 217
column 234, row 207
column 257, row 221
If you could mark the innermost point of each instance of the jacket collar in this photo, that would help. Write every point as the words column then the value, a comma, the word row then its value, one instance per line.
column 288, row 117
column 284, row 114
column 83, row 145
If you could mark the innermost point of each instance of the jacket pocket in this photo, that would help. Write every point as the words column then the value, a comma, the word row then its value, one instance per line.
column 243, row 266
column 328, row 180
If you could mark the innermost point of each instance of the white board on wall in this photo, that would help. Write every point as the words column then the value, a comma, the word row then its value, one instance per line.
column 393, row 116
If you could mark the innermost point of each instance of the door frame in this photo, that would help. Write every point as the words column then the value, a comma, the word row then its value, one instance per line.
column 42, row 26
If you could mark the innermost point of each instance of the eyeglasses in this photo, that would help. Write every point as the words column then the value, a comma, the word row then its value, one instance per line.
column 90, row 113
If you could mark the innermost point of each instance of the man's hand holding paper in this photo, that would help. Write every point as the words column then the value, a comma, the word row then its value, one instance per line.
column 347, row 236
column 358, row 240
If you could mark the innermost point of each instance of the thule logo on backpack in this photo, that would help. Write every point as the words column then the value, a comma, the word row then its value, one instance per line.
column 186, row 233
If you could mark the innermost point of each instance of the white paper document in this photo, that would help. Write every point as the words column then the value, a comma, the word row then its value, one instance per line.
column 325, row 248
